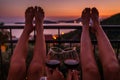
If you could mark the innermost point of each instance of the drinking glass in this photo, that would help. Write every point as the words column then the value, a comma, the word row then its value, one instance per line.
column 54, row 57
column 71, row 58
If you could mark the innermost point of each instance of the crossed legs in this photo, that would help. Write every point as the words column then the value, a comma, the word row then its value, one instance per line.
column 37, row 67
column 107, row 56
column 17, row 69
column 89, row 68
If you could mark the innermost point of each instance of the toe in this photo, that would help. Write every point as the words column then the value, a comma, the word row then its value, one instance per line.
column 41, row 10
column 94, row 10
column 29, row 9
column 83, row 13
column 36, row 9
column 88, row 10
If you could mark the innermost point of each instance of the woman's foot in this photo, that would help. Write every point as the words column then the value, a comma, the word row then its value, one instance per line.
column 86, row 17
column 29, row 15
column 39, row 18
column 95, row 18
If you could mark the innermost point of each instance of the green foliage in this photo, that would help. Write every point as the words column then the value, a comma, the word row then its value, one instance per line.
column 112, row 34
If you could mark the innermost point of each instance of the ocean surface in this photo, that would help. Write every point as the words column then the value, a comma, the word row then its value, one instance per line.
column 18, row 32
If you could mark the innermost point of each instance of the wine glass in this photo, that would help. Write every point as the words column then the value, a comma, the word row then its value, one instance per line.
column 54, row 57
column 71, row 59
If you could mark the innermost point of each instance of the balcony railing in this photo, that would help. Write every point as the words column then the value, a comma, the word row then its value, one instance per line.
column 57, row 27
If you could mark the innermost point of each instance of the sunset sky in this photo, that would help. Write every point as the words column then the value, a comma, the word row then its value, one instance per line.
column 58, row 9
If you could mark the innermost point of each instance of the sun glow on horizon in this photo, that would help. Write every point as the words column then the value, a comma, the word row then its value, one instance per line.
column 59, row 9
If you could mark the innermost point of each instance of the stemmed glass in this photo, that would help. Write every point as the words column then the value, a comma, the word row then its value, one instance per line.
column 54, row 57
column 53, row 60
column 71, row 58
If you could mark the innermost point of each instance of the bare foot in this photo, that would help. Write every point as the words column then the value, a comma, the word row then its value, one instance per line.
column 39, row 17
column 95, row 17
column 29, row 15
column 86, row 17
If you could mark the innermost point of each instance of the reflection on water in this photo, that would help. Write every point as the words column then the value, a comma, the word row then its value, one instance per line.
column 18, row 32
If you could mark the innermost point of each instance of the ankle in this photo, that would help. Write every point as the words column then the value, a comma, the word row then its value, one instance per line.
column 85, row 28
column 26, row 32
column 98, row 30
column 39, row 30
column 28, row 24
column 39, row 23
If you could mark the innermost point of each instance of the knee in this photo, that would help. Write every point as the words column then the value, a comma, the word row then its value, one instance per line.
column 35, row 68
column 112, row 69
column 92, row 70
column 91, row 73
column 17, row 68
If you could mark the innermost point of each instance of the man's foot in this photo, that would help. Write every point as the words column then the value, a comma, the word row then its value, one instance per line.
column 86, row 17
column 29, row 15
column 95, row 20
column 39, row 17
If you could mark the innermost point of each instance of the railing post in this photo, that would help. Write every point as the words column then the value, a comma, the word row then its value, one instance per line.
column 11, row 43
column 1, row 66
column 59, row 37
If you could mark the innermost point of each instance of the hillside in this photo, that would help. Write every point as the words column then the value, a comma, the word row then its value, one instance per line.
column 113, row 20
column 112, row 35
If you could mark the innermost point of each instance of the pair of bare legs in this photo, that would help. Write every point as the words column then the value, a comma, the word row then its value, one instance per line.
column 17, row 69
column 37, row 68
column 111, row 68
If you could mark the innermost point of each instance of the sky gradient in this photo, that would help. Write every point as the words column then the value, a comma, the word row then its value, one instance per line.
column 58, row 9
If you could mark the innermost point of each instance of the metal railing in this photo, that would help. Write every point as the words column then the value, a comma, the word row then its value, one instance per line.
column 59, row 41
